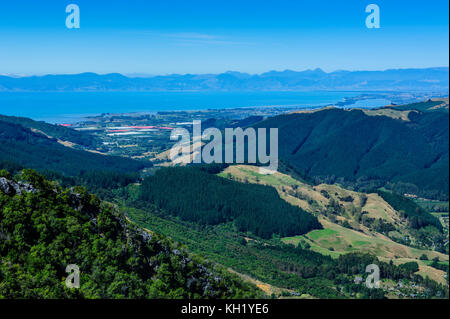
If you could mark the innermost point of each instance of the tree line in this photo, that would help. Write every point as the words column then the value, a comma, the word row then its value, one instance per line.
column 195, row 195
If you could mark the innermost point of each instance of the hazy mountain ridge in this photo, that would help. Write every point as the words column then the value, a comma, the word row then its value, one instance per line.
column 435, row 79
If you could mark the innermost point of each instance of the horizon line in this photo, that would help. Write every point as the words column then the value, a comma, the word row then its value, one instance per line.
column 149, row 75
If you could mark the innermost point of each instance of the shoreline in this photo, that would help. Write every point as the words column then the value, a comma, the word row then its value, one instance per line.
column 347, row 103
column 48, row 109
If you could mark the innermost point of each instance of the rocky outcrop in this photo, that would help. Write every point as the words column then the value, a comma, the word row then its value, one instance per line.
column 12, row 188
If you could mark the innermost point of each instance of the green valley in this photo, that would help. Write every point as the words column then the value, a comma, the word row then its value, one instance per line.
column 339, row 202
column 344, row 231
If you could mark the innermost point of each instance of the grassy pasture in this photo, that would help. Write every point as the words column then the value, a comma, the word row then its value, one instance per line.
column 335, row 239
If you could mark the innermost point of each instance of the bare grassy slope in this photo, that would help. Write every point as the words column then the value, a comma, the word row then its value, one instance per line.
column 336, row 239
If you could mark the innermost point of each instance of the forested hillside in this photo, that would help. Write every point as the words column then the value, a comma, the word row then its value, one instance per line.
column 21, row 147
column 44, row 228
column 56, row 131
column 285, row 270
column 195, row 195
column 369, row 151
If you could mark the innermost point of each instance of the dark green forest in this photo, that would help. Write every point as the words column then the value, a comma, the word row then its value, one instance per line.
column 366, row 152
column 55, row 131
column 19, row 146
column 44, row 228
column 195, row 195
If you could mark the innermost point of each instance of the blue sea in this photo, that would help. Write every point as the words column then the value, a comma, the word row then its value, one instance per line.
column 70, row 107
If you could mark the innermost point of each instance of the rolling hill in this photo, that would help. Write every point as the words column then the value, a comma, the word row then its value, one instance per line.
column 61, row 133
column 344, row 215
column 25, row 146
column 405, row 148
column 277, row 264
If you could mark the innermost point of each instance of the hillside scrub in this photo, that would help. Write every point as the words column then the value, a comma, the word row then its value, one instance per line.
column 44, row 228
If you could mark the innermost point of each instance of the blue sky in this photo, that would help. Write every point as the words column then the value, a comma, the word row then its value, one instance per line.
column 167, row 36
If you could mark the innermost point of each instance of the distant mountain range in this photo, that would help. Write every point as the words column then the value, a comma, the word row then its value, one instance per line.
column 429, row 79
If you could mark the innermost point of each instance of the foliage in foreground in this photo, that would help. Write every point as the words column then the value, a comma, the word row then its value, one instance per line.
column 44, row 228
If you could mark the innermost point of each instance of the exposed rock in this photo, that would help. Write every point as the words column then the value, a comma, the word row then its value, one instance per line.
column 6, row 187
column 12, row 188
